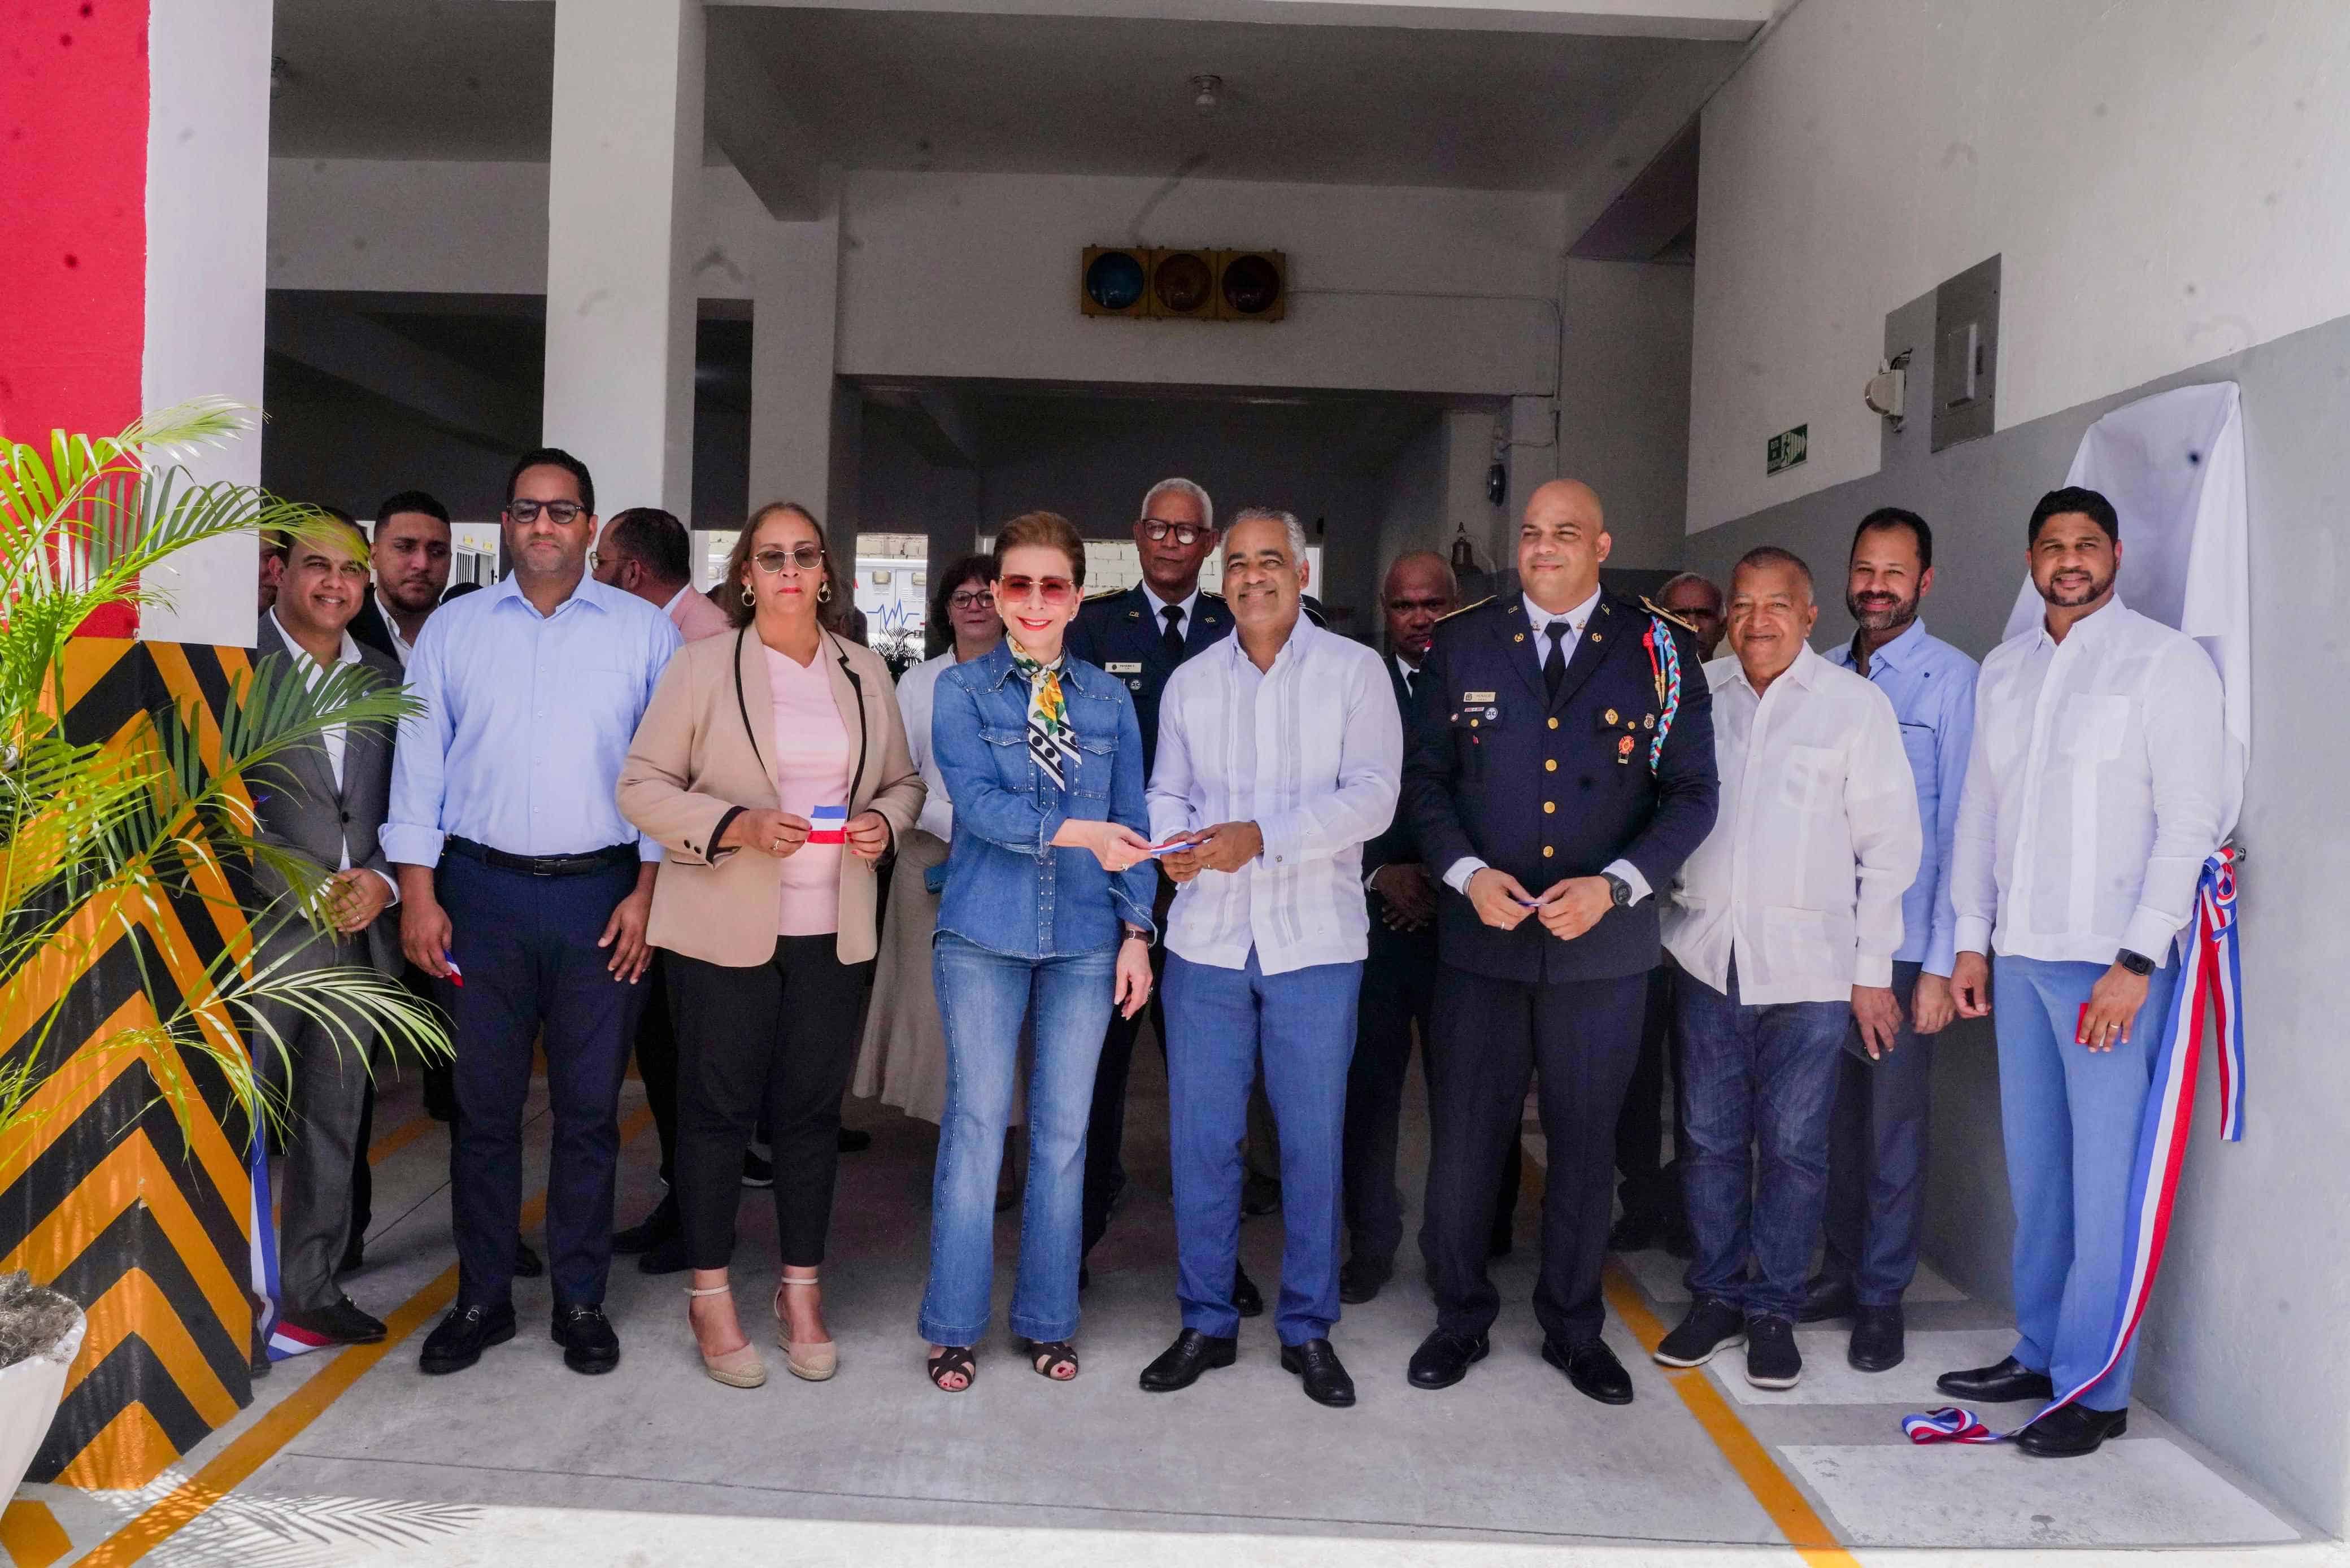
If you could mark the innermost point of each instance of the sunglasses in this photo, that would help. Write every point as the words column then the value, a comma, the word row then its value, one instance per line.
column 971, row 599
column 562, row 514
column 806, row 557
column 1054, row 591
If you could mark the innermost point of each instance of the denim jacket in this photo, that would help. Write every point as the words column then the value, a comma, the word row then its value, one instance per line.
column 1008, row 890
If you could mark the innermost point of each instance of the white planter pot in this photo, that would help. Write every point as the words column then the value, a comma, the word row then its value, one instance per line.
column 29, row 1392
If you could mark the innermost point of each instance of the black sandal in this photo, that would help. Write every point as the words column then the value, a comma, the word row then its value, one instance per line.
column 1043, row 1354
column 954, row 1358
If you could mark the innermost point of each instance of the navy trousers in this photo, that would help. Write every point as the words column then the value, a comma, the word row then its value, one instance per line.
column 527, row 946
column 1876, row 1157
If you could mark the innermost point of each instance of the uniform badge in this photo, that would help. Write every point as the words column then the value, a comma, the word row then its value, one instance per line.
column 1476, row 697
column 1649, row 722
column 1493, row 713
column 1624, row 744
column 1116, row 668
column 1611, row 715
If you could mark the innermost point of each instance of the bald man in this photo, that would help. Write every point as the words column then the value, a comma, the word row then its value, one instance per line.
column 1560, row 770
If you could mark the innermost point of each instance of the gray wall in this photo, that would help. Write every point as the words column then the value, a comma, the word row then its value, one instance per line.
column 2242, row 1347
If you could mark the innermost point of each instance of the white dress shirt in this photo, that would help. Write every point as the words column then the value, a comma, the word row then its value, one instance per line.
column 332, row 737
column 1538, row 620
column 401, row 647
column 1817, row 840
column 916, row 690
column 1159, row 608
column 2094, row 792
column 1312, row 751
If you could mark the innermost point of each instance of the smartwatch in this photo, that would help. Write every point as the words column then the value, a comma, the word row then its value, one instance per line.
column 2135, row 962
column 1619, row 891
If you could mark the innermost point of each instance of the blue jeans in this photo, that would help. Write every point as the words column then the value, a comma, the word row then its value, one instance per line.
column 1217, row 1021
column 2071, row 1119
column 1876, row 1157
column 1757, row 1084
column 983, row 997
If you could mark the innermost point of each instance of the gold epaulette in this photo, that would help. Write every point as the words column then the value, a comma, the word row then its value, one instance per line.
column 1464, row 610
column 1212, row 593
column 1106, row 594
column 1659, row 610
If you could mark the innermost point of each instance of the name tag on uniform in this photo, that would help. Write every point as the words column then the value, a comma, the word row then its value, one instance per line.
column 1118, row 668
column 1476, row 696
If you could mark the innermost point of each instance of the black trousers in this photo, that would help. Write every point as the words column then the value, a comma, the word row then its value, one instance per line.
column 1106, row 1127
column 1490, row 1037
column 1399, row 991
column 1651, row 1189
column 776, row 1039
column 657, row 1061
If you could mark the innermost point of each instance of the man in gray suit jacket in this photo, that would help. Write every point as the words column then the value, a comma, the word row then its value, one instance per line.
column 323, row 801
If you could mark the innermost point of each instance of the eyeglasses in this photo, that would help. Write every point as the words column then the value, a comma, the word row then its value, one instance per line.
column 562, row 514
column 1157, row 529
column 971, row 599
column 1054, row 591
column 806, row 557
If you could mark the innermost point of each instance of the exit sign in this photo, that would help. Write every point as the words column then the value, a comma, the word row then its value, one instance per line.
column 1786, row 448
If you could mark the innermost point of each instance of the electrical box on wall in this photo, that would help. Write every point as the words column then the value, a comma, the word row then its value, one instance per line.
column 1179, row 283
column 1966, row 355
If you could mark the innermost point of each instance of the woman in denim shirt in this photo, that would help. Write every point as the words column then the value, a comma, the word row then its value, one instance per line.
column 1045, row 918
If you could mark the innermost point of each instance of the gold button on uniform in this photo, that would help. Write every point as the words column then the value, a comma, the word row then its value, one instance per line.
column 1549, row 806
column 1550, row 765
column 1553, row 724
column 1547, row 851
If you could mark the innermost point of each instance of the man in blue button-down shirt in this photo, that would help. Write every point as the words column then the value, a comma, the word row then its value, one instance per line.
column 521, row 882
column 1876, row 1140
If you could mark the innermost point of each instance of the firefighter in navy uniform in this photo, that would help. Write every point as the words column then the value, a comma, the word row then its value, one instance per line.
column 1139, row 635
column 1559, row 770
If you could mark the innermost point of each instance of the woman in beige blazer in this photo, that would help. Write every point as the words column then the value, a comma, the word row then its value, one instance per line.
column 766, row 905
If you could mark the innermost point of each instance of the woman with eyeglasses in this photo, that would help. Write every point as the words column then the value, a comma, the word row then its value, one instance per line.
column 903, row 1060
column 772, row 766
column 1045, row 920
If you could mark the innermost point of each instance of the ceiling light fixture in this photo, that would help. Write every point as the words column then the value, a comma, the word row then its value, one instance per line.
column 1207, row 93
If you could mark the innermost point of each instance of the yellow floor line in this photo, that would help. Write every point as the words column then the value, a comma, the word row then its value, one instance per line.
column 260, row 1443
column 30, row 1534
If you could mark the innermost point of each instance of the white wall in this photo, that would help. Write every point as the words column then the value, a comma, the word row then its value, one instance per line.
column 976, row 275
column 2168, row 181
column 1623, row 401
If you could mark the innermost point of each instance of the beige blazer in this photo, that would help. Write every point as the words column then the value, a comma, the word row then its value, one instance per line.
column 706, row 746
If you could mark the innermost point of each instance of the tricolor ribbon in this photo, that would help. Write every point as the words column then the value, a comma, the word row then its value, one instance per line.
column 828, row 825
column 2210, row 983
column 1665, row 669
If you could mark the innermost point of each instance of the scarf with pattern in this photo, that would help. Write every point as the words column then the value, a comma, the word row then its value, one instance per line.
column 1050, row 740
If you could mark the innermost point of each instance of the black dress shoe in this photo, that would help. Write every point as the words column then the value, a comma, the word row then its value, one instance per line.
column 1593, row 1368
column 588, row 1343
column 669, row 1258
column 854, row 1140
column 757, row 1169
column 2010, row 1380
column 2069, row 1433
column 1180, row 1364
column 528, row 1265
column 462, row 1335
column 1324, row 1375
column 1444, row 1360
column 339, row 1323
column 1247, row 1300
column 1877, row 1339
column 1360, row 1280
column 1260, row 1195
column 657, row 1227
column 1824, row 1298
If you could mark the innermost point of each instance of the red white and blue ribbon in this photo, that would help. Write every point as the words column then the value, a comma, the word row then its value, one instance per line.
column 828, row 825
column 1665, row 666
column 283, row 1339
column 2211, row 984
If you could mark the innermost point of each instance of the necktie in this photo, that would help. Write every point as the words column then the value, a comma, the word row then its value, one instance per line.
column 1554, row 665
column 1172, row 640
column 1411, row 685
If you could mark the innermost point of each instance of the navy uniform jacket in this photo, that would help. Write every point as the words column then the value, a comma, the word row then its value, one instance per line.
column 1396, row 846
column 1121, row 632
column 1497, row 769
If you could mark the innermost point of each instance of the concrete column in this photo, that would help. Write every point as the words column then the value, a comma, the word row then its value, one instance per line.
column 795, row 406
column 623, row 186
column 207, row 279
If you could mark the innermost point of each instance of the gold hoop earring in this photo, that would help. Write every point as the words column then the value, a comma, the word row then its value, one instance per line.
column 823, row 594
column 748, row 597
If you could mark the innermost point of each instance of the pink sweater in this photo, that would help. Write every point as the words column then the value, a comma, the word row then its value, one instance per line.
column 811, row 769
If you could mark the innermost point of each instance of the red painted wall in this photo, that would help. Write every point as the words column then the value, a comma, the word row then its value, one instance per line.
column 73, row 207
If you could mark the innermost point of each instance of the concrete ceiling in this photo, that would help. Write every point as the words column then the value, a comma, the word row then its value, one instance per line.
column 1079, row 94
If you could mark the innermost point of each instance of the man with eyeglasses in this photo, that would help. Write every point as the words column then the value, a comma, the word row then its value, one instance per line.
column 1139, row 635
column 523, row 886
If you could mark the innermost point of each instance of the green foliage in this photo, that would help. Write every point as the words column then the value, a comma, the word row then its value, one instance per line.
column 100, row 838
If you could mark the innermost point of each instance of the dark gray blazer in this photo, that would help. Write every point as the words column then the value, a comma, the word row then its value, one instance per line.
column 300, row 807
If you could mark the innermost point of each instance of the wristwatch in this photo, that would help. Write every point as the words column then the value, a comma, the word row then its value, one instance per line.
column 2137, row 963
column 1138, row 933
column 1619, row 891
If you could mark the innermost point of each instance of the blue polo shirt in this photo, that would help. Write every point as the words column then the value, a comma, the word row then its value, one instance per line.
column 1932, row 687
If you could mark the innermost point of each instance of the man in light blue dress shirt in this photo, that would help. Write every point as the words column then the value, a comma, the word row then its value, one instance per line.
column 1877, row 1135
column 521, row 882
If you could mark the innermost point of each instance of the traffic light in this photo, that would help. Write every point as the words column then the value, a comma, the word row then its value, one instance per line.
column 1114, row 280
column 1183, row 284
column 1195, row 285
column 1252, row 286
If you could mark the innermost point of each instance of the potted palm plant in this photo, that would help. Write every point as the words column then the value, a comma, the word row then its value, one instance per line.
column 97, row 834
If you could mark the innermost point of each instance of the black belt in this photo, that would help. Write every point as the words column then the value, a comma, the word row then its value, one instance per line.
column 585, row 864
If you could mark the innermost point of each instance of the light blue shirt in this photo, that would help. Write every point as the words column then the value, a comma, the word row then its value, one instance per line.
column 1932, row 687
column 526, row 720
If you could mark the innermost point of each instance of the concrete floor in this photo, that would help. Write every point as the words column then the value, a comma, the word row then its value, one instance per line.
column 520, row 1461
